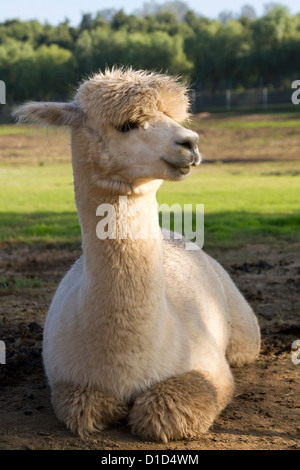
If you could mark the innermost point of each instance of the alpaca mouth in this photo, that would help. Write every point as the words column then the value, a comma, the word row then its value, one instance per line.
column 178, row 167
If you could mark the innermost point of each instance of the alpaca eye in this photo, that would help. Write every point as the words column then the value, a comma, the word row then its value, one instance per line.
column 127, row 126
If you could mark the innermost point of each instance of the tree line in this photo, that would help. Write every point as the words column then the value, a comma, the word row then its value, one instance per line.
column 45, row 62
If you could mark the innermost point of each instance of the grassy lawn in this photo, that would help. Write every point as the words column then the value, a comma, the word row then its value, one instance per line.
column 15, row 130
column 243, row 202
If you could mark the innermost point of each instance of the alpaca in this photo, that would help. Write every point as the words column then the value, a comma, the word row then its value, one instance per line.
column 138, row 329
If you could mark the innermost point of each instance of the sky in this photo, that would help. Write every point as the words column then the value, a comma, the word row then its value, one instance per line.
column 57, row 10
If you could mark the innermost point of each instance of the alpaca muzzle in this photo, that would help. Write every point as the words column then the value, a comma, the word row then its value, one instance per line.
column 188, row 147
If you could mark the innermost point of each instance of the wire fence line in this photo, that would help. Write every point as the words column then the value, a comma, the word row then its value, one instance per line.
column 229, row 100
column 218, row 101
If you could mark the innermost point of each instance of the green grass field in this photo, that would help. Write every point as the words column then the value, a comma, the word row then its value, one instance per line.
column 244, row 202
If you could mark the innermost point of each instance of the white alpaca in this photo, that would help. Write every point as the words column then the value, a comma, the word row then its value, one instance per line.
column 138, row 328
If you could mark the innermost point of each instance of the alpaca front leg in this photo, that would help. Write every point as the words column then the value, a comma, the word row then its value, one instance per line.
column 183, row 406
column 86, row 410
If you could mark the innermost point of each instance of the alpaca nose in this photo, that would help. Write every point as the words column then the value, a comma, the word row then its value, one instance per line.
column 190, row 142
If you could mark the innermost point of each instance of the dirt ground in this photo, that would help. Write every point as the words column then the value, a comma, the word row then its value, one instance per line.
column 264, row 412
column 218, row 142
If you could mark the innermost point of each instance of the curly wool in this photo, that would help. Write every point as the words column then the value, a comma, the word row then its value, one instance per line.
column 121, row 95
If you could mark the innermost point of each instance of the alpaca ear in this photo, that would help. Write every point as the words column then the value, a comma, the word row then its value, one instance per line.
column 55, row 114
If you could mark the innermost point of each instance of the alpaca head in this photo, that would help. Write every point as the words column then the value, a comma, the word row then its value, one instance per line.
column 127, row 124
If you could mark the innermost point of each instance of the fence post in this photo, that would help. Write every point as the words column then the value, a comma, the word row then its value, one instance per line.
column 228, row 100
column 265, row 97
column 193, row 96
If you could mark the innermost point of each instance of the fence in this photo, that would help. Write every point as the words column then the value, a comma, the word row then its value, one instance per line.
column 229, row 100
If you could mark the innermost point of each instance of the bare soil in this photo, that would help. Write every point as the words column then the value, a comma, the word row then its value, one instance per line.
column 233, row 144
column 217, row 142
column 265, row 410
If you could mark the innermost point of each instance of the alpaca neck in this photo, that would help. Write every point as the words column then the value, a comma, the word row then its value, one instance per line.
column 122, row 267
column 121, row 230
column 127, row 272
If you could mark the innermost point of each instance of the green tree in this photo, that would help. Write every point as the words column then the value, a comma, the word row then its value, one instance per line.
column 86, row 22
column 273, row 38
column 62, row 35
column 39, row 61
column 16, row 60
column 42, row 74
column 21, row 31
column 158, row 51
column 216, row 52
column 119, row 20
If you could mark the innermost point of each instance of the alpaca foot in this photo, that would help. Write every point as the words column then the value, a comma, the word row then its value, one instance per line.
column 86, row 410
column 183, row 406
